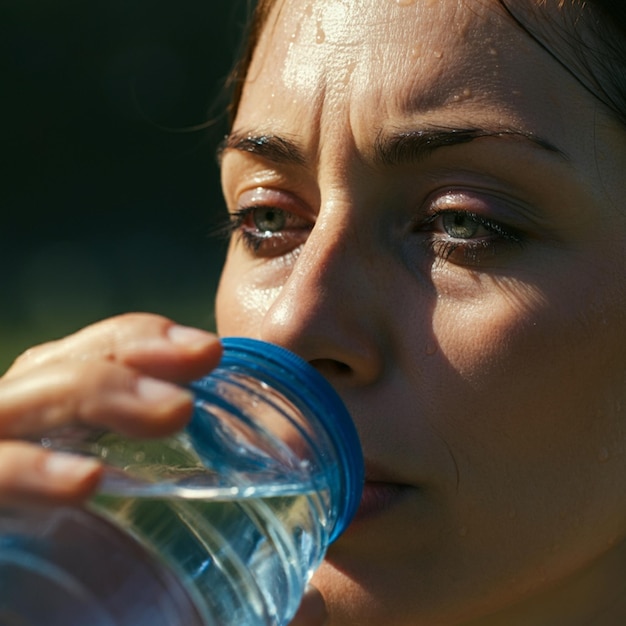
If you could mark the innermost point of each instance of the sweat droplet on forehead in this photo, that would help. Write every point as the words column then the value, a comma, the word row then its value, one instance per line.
column 306, row 59
column 328, row 45
column 336, row 63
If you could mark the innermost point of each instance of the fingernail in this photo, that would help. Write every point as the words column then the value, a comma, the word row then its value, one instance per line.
column 62, row 465
column 189, row 337
column 154, row 390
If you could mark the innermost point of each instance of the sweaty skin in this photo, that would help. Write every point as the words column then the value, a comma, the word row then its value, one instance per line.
column 429, row 208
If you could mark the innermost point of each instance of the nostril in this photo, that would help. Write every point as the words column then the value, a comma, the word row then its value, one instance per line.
column 330, row 367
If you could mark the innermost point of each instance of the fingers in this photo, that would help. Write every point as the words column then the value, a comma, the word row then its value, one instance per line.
column 121, row 374
column 312, row 611
column 149, row 343
column 30, row 475
column 95, row 393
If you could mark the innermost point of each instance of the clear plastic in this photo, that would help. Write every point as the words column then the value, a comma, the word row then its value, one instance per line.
column 222, row 524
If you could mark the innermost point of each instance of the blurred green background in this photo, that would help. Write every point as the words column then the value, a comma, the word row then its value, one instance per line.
column 108, row 198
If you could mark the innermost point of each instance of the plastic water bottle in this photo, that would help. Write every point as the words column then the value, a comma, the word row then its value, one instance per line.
column 222, row 524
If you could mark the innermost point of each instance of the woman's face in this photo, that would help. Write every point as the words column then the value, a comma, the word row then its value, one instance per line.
column 429, row 208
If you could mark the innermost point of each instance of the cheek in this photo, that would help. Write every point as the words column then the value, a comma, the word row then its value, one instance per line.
column 486, row 347
column 536, row 380
column 543, row 386
column 241, row 304
column 479, row 334
column 538, row 433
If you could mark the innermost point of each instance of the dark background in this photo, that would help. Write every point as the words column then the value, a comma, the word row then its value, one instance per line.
column 108, row 197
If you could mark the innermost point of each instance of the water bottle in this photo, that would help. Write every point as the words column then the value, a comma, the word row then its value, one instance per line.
column 222, row 524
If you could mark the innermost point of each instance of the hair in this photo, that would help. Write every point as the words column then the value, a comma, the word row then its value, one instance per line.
column 593, row 33
column 251, row 37
column 586, row 37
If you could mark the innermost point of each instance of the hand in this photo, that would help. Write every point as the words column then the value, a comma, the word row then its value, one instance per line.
column 117, row 374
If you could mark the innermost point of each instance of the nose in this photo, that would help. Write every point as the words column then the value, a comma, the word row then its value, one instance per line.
column 328, row 310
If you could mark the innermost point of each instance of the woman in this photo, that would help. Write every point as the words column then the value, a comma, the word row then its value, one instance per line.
column 426, row 202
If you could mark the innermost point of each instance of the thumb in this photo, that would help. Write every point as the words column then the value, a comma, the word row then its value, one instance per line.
column 312, row 611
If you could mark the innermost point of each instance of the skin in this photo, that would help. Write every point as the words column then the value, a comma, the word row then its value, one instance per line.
column 481, row 357
column 119, row 373
column 484, row 365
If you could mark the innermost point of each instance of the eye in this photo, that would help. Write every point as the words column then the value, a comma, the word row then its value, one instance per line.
column 268, row 219
column 270, row 222
column 459, row 225
column 461, row 229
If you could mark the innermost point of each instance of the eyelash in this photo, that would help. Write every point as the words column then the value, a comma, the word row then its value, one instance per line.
column 439, row 243
column 473, row 251
column 254, row 241
column 233, row 227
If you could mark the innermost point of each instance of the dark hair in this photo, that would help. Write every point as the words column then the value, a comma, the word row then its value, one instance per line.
column 251, row 36
column 590, row 43
column 587, row 38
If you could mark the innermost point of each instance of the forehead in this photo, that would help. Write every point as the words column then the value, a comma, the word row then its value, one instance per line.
column 340, row 73
column 402, row 55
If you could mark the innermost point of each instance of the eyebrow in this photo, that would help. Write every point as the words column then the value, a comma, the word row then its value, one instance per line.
column 270, row 147
column 414, row 145
column 395, row 148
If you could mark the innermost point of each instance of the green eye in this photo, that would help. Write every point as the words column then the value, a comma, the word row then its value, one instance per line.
column 459, row 225
column 269, row 220
column 267, row 231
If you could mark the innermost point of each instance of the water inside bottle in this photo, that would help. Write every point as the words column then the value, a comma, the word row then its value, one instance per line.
column 70, row 567
column 245, row 542
column 245, row 560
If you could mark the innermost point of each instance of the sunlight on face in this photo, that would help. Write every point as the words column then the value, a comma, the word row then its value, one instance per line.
column 428, row 207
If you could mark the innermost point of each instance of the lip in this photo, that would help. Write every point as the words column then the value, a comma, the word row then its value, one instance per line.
column 378, row 497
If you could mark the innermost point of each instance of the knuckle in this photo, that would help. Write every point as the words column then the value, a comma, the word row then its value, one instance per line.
column 96, row 377
column 104, row 382
column 117, row 337
column 134, row 321
column 33, row 356
column 82, row 389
